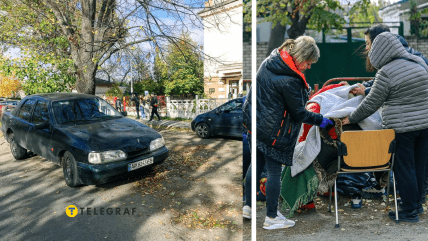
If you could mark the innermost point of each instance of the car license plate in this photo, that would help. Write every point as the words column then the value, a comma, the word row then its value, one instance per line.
column 139, row 164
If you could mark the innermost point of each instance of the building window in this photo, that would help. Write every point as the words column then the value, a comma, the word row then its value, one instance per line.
column 221, row 89
column 212, row 90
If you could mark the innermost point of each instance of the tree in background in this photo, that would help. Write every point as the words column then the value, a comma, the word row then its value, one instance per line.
column 418, row 27
column 9, row 86
column 299, row 14
column 146, row 85
column 184, row 66
column 114, row 91
column 40, row 73
column 89, row 32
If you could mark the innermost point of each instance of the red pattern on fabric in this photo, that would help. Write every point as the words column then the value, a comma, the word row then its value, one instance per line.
column 314, row 107
column 286, row 57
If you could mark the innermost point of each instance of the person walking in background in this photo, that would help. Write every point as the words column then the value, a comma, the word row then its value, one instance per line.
column 154, row 103
column 282, row 94
column 230, row 95
column 136, row 99
column 400, row 87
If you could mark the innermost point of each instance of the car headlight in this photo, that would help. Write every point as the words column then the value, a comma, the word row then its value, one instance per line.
column 157, row 143
column 106, row 156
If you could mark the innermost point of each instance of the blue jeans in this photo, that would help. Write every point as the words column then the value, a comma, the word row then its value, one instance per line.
column 142, row 112
column 409, row 167
column 260, row 166
column 273, row 183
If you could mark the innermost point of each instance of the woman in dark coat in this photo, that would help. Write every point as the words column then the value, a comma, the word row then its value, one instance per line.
column 282, row 93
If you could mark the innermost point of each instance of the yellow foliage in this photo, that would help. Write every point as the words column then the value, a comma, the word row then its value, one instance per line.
column 8, row 85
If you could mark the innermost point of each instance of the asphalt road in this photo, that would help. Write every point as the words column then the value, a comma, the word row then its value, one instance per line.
column 371, row 222
column 34, row 197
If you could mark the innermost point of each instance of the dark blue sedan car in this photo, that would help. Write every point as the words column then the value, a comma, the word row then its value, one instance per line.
column 92, row 141
column 224, row 120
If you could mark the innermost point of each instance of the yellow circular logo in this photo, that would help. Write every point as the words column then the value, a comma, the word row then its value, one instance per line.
column 71, row 211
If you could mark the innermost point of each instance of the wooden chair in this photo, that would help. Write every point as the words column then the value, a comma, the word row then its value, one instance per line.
column 366, row 151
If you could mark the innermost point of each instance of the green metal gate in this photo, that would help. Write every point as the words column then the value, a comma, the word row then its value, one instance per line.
column 341, row 59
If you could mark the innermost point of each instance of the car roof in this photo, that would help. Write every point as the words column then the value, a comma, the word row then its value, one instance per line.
column 63, row 96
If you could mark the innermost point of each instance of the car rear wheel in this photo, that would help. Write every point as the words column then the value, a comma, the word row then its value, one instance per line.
column 18, row 152
column 203, row 130
column 69, row 168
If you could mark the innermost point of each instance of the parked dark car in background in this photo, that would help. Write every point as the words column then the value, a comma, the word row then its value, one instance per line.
column 224, row 120
column 9, row 102
column 93, row 142
column 4, row 104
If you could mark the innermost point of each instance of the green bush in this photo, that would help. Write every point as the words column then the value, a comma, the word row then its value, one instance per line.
column 114, row 91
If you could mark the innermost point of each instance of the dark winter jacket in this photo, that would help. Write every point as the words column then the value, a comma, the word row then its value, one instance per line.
column 282, row 93
column 136, row 99
column 247, row 112
column 154, row 101
column 413, row 51
column 400, row 86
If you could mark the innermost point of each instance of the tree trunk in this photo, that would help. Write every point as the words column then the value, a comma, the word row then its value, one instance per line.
column 296, row 30
column 85, row 82
column 86, row 67
column 276, row 37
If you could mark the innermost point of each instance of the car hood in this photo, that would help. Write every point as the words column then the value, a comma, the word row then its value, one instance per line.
column 116, row 134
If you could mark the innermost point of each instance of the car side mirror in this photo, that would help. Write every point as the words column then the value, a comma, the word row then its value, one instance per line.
column 41, row 125
column 124, row 113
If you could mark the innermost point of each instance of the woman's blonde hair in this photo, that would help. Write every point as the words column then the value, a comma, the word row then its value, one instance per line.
column 303, row 48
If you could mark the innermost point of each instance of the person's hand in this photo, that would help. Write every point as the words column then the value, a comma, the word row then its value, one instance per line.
column 326, row 124
column 345, row 121
column 358, row 90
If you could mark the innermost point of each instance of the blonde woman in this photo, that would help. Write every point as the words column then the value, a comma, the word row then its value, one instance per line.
column 282, row 93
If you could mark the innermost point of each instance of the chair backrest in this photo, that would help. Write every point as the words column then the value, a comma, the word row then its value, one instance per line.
column 367, row 148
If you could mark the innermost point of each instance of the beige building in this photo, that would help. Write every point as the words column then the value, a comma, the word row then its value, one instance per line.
column 223, row 72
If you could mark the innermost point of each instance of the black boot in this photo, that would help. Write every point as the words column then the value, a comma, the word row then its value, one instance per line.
column 406, row 216
column 419, row 208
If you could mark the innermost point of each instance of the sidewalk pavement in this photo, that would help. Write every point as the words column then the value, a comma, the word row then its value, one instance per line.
column 164, row 123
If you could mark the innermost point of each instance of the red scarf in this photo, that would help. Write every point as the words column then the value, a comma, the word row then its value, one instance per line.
column 286, row 57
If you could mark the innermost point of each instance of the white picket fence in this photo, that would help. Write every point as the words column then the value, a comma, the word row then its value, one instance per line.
column 187, row 109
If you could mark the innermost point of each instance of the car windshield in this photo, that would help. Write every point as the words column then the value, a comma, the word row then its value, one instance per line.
column 83, row 110
column 233, row 105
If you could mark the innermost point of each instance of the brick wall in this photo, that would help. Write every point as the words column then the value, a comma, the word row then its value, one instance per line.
column 261, row 55
column 247, row 60
column 219, row 89
column 420, row 44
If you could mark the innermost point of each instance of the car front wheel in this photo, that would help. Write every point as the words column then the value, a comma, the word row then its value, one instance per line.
column 203, row 130
column 18, row 152
column 69, row 168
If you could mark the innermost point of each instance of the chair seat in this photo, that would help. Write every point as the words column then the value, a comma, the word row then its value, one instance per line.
column 386, row 168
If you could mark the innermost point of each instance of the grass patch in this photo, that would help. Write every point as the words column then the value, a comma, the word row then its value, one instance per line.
column 215, row 217
column 177, row 119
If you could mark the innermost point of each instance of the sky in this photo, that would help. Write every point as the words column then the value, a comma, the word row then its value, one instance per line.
column 196, row 32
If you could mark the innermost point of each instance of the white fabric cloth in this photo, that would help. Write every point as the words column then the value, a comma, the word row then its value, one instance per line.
column 333, row 103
